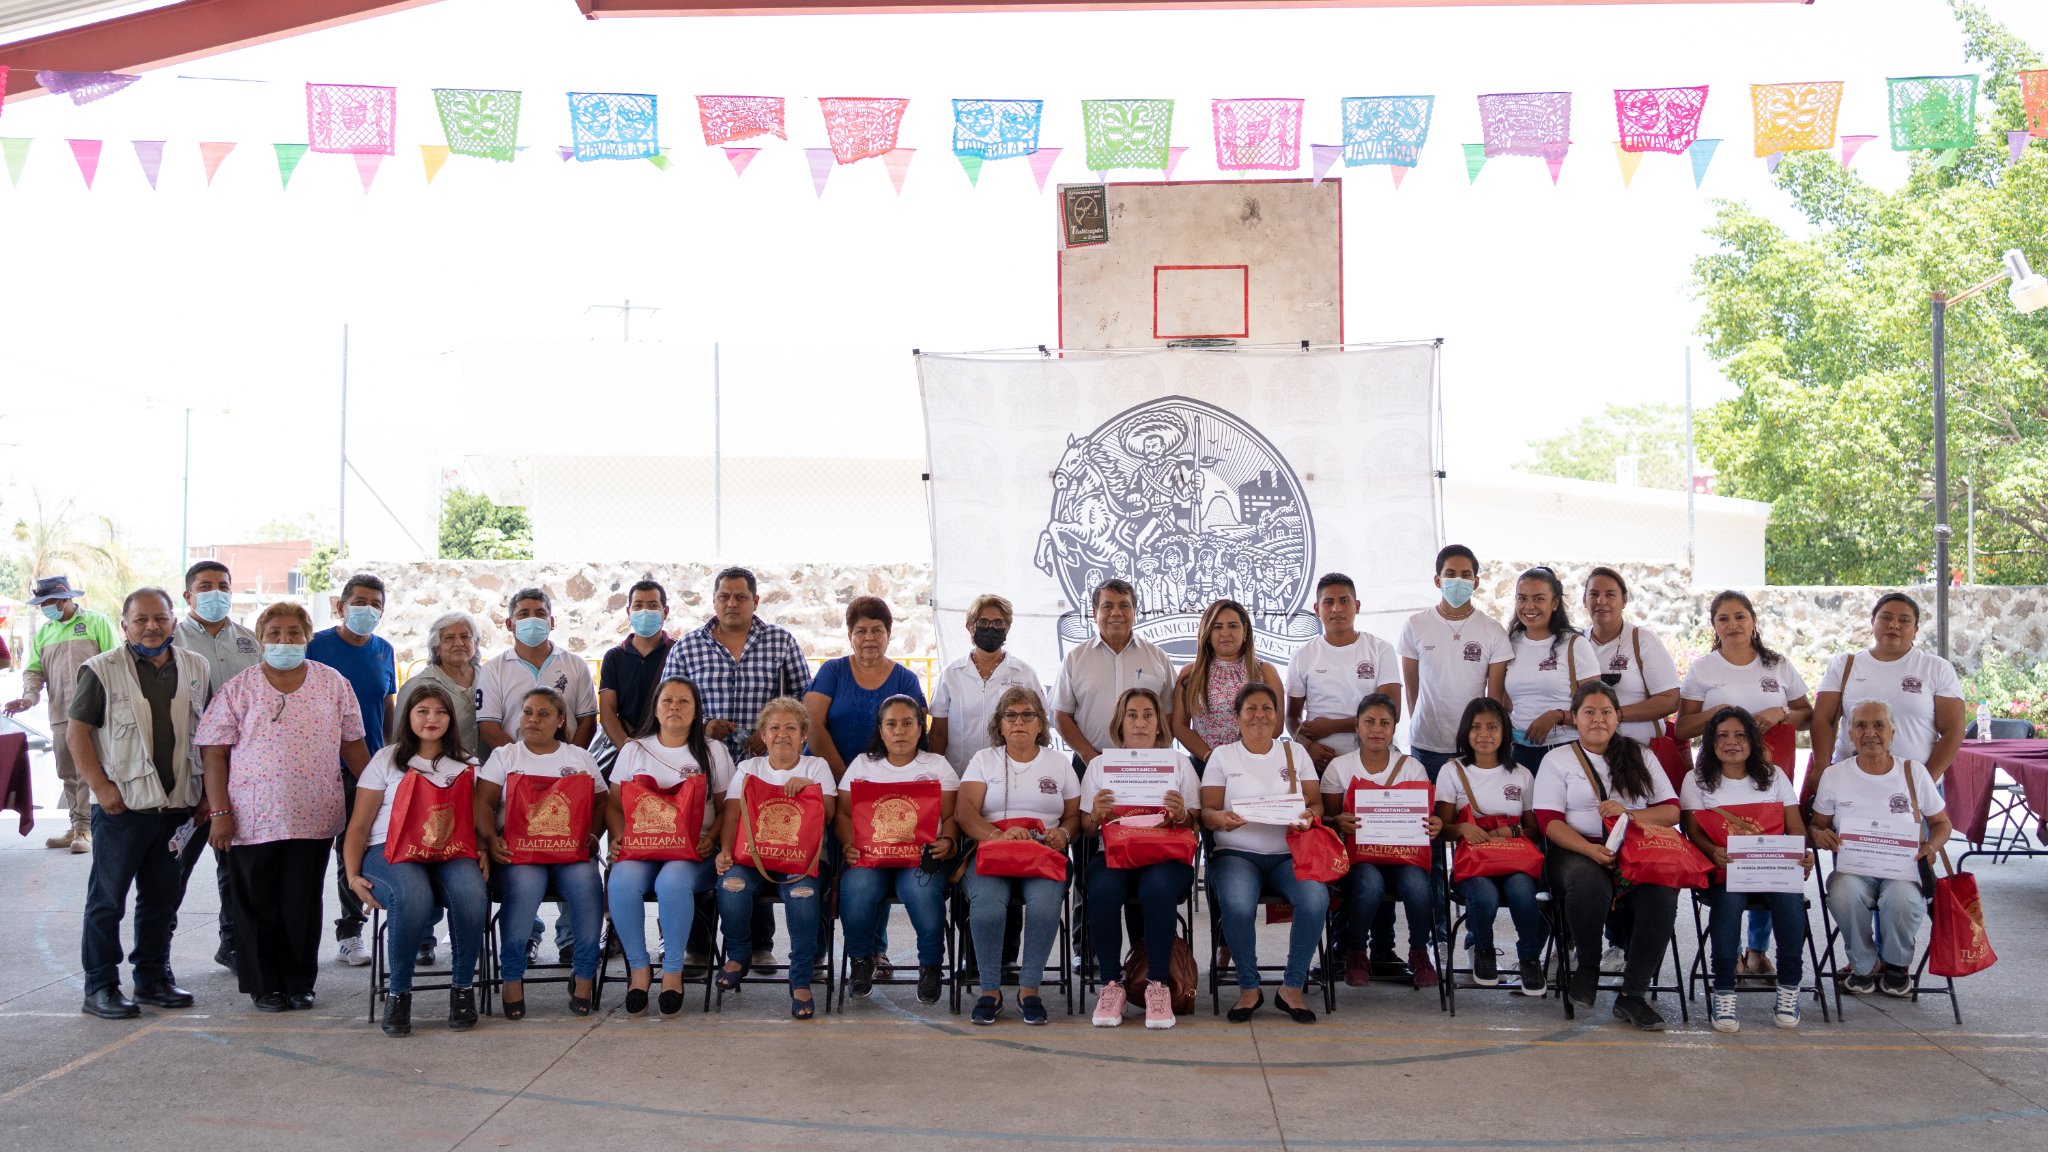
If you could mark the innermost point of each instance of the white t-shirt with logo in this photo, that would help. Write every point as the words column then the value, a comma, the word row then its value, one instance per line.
column 1658, row 674
column 1693, row 798
column 965, row 701
column 923, row 766
column 516, row 759
column 1755, row 687
column 1847, row 792
column 663, row 767
column 1503, row 790
column 382, row 775
column 1334, row 679
column 812, row 768
column 1185, row 782
column 1350, row 766
column 1561, row 786
column 1243, row 776
column 1540, row 680
column 1452, row 658
column 1038, row 788
column 1909, row 684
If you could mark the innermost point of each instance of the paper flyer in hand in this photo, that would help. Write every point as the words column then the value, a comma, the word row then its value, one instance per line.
column 1398, row 817
column 1766, row 864
column 1140, row 777
column 1285, row 809
column 1880, row 849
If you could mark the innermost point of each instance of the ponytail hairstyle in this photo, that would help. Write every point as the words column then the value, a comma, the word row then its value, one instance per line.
column 1625, row 767
column 650, row 725
column 554, row 699
column 880, row 750
column 406, row 743
column 1561, row 629
column 1759, row 769
column 1756, row 632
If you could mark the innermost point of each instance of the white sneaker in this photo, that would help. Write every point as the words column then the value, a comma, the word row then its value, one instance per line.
column 1786, row 1014
column 1109, row 1006
column 353, row 952
column 1724, row 1013
column 1613, row 962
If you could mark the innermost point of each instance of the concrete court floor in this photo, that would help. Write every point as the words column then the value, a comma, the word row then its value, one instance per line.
column 1387, row 1071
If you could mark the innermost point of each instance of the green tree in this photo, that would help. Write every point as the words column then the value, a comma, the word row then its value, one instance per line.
column 317, row 572
column 1827, row 338
column 1652, row 433
column 473, row 528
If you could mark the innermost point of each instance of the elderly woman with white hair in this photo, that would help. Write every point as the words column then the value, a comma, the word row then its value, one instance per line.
column 452, row 662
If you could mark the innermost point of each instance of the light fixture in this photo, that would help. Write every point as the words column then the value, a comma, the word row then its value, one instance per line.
column 2029, row 291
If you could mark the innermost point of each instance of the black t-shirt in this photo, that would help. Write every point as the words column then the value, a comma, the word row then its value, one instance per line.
column 633, row 676
column 159, row 688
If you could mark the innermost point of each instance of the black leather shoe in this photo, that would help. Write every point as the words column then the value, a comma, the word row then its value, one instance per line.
column 225, row 955
column 461, row 1009
column 671, row 1002
column 398, row 1014
column 636, row 1001
column 109, row 1004
column 164, row 994
column 299, row 1001
column 269, row 1002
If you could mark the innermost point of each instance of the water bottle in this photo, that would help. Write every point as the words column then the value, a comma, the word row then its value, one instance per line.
column 1983, row 720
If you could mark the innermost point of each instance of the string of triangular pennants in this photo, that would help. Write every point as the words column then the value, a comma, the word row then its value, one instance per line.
column 1937, row 113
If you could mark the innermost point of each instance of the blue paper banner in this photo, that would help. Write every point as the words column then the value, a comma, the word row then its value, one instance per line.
column 613, row 126
column 1386, row 129
column 996, row 129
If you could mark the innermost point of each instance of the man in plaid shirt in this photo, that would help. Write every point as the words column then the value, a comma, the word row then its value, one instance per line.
column 738, row 663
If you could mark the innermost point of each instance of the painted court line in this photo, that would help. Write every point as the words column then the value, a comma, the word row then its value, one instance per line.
column 82, row 1061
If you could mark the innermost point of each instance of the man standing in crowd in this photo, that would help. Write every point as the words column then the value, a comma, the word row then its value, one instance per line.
column 629, row 672
column 1451, row 654
column 738, row 662
column 367, row 662
column 1096, row 673
column 130, row 731
column 230, row 649
column 69, row 636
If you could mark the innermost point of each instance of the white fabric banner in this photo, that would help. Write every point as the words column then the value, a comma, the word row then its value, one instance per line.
column 1197, row 475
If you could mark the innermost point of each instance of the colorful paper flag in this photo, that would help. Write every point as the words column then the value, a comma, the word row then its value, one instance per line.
column 2034, row 94
column 1321, row 158
column 1173, row 156
column 1933, row 112
column 1399, row 174
column 1526, row 123
column 1041, row 163
column 1772, row 161
column 83, row 87
column 1796, row 117
column 211, row 153
column 1261, row 134
column 150, row 154
column 1630, row 161
column 288, row 157
column 1128, row 133
column 565, row 152
column 614, row 126
column 433, row 156
column 1851, row 145
column 1386, row 129
column 1555, row 162
column 1702, row 155
column 739, row 158
column 1948, row 158
column 660, row 160
column 972, row 166
column 367, row 164
column 87, row 153
column 356, row 119
column 730, row 118
column 2016, row 140
column 897, row 161
column 15, row 149
column 481, row 122
column 1658, row 119
column 1475, row 159
column 995, row 129
column 821, row 161
column 862, row 127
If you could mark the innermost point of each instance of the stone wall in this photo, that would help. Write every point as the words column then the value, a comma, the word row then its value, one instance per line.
column 1811, row 623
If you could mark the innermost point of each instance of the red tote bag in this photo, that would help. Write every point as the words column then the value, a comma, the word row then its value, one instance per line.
column 1958, row 946
column 1020, row 859
column 1384, row 853
column 662, row 823
column 1494, row 857
column 1781, row 746
column 780, row 833
column 429, row 824
column 1669, row 860
column 893, row 822
column 1318, row 853
column 547, row 818
column 1128, row 846
column 1717, row 824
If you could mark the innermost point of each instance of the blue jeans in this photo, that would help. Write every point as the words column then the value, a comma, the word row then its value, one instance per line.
column 1787, row 912
column 988, row 905
column 802, row 906
column 1432, row 762
column 131, row 849
column 1371, row 883
column 1856, row 901
column 861, row 911
column 1159, row 888
column 1760, row 930
column 524, row 886
column 1236, row 880
column 413, row 896
column 1483, row 896
column 675, row 884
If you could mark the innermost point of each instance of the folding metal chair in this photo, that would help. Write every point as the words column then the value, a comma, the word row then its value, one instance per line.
column 1319, row 969
column 1337, row 929
column 380, row 970
column 949, row 973
column 567, row 971
column 1834, row 930
column 828, row 913
column 611, row 941
column 1452, row 979
column 964, row 966
column 1561, row 935
column 1700, row 973
column 1084, row 938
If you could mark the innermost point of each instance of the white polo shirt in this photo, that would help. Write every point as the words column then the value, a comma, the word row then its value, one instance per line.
column 1094, row 675
column 965, row 701
column 505, row 679
column 1333, row 679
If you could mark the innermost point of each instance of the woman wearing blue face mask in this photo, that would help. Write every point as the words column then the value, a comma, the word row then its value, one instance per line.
column 1451, row 655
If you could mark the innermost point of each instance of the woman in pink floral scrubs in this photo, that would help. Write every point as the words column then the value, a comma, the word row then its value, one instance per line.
column 274, row 802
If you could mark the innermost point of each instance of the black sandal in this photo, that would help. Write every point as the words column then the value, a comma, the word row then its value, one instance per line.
column 729, row 978
column 1302, row 1015
column 515, row 1009
column 1241, row 1015
column 802, row 1009
column 581, row 1005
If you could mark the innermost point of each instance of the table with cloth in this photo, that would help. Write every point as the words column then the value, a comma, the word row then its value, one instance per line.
column 1968, row 782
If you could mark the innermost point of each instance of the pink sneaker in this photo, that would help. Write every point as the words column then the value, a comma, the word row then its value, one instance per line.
column 1158, row 1005
column 1109, row 1007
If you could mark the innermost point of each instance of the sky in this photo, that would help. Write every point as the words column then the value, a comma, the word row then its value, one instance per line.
column 122, row 306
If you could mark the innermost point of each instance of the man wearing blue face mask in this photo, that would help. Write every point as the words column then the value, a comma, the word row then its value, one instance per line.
column 1451, row 654
column 229, row 649
column 69, row 636
column 367, row 662
column 629, row 672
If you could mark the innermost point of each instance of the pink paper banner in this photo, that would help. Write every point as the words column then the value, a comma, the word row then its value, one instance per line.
column 1659, row 119
column 1261, row 134
column 821, row 161
column 897, row 161
column 1400, row 173
column 150, row 154
column 352, row 118
column 862, row 127
column 87, row 153
column 739, row 158
column 1173, row 155
column 367, row 164
column 1041, row 164
column 211, row 153
column 1851, row 145
column 730, row 118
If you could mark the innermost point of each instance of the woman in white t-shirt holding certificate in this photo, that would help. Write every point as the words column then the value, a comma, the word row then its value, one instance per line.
column 1868, row 812
column 1380, row 870
column 1735, row 791
column 1253, row 791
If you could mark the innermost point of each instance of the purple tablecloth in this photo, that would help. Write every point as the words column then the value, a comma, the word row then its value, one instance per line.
column 1967, row 785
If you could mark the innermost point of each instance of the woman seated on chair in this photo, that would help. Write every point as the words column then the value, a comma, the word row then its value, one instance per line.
column 1749, row 796
column 669, row 749
column 1581, row 786
column 539, row 752
column 421, row 870
column 1253, row 858
column 1375, row 764
column 1878, row 786
column 1016, row 779
column 783, row 726
column 1483, row 795
column 896, row 756
column 1159, row 888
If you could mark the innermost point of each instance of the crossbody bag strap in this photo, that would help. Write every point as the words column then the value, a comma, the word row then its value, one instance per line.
column 1571, row 664
column 1592, row 777
column 1465, row 784
column 1293, row 780
column 1636, row 634
column 1919, row 821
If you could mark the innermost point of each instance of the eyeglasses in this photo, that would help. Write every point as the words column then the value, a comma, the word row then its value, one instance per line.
column 1019, row 717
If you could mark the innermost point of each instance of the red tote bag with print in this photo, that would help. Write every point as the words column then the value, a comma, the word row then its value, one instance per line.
column 547, row 818
column 1020, row 859
column 1493, row 857
column 1385, row 853
column 893, row 822
column 430, row 824
column 1318, row 853
column 1958, row 945
column 1718, row 824
column 1671, row 753
column 1664, row 858
column 1136, row 846
column 780, row 833
column 662, row 823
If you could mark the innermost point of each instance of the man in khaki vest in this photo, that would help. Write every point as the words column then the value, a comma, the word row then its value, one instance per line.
column 132, row 716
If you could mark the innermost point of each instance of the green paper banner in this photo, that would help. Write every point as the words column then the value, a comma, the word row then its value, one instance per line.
column 1475, row 159
column 1933, row 112
column 16, row 150
column 972, row 166
column 288, row 157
